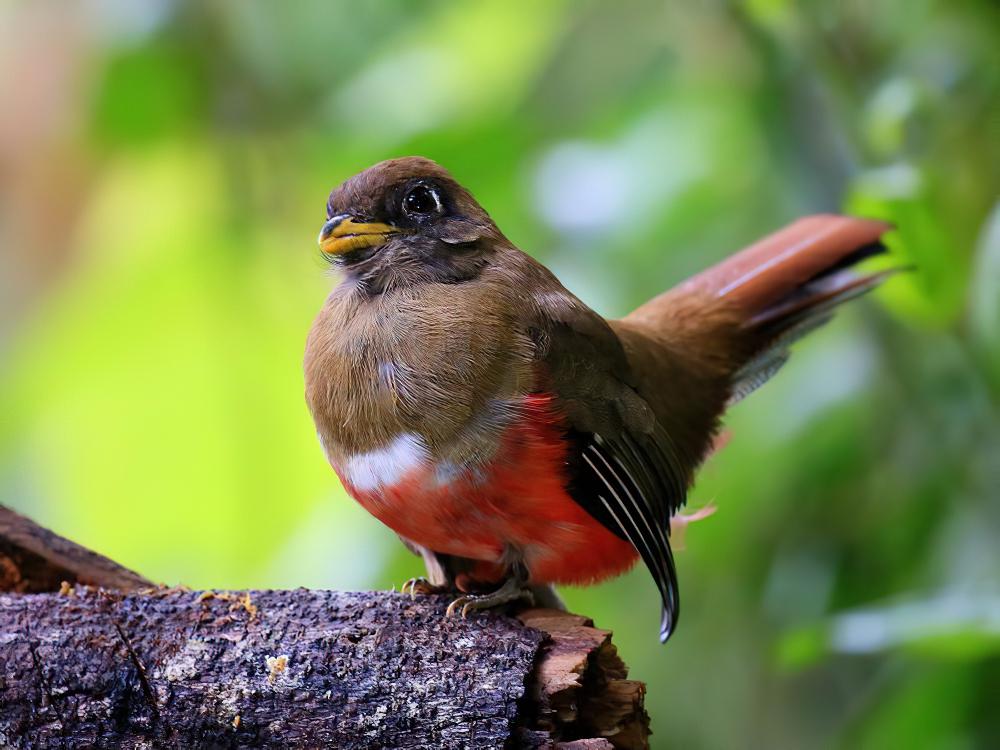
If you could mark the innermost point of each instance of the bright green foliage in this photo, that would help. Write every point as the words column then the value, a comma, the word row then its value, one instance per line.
column 847, row 592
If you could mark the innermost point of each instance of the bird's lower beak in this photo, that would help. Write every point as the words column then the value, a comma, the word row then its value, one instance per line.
column 342, row 234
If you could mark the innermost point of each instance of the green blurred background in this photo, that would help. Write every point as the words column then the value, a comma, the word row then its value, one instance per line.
column 164, row 168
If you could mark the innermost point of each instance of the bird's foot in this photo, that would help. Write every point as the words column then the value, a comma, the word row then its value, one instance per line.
column 512, row 590
column 421, row 585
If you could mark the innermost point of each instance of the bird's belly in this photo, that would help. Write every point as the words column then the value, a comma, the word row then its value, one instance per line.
column 517, row 501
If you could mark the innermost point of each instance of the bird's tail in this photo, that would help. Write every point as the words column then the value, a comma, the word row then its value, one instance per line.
column 778, row 289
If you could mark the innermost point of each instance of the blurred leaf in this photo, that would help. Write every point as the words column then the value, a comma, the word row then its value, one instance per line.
column 163, row 384
column 934, row 291
column 984, row 298
column 149, row 92
column 926, row 710
column 802, row 647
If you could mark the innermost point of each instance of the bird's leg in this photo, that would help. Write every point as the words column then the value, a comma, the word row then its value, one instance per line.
column 513, row 588
column 545, row 596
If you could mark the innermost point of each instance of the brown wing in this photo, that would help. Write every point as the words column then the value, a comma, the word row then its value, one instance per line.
column 623, row 467
column 643, row 395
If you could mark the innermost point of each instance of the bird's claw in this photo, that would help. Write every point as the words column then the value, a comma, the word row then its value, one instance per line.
column 421, row 585
column 511, row 591
column 462, row 602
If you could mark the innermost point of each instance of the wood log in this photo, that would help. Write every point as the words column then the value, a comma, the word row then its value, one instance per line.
column 92, row 667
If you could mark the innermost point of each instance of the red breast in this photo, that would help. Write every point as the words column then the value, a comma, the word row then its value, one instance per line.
column 518, row 498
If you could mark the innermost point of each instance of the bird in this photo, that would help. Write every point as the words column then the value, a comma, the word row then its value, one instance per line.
column 510, row 435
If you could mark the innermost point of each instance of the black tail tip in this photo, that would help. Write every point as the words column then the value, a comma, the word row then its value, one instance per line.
column 668, row 622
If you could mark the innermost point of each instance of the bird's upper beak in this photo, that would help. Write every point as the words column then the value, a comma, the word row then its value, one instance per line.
column 342, row 234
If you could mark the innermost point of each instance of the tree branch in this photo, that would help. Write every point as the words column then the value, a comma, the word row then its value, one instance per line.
column 171, row 667
column 33, row 559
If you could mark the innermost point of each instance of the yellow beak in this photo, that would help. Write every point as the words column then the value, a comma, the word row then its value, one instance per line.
column 341, row 234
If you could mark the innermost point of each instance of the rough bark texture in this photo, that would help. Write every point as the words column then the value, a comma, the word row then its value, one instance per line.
column 88, row 667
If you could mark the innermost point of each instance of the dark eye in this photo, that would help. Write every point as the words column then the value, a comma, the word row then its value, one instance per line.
column 422, row 201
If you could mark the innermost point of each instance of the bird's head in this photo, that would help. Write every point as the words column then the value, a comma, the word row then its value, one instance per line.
column 406, row 221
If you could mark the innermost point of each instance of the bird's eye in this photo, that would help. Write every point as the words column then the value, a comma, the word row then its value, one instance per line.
column 422, row 201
